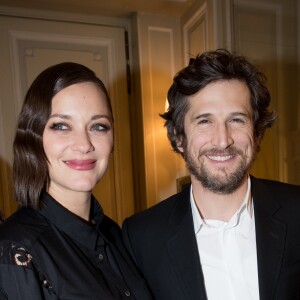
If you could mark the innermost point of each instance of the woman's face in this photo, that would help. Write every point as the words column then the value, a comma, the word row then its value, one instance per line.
column 77, row 139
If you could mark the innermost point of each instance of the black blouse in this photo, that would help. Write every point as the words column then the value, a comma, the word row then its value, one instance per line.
column 54, row 254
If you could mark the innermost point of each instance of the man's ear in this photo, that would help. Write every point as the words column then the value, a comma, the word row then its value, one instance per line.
column 180, row 148
column 179, row 144
column 258, row 140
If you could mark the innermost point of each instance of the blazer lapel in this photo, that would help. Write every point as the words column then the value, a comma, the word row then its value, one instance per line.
column 183, row 250
column 270, row 238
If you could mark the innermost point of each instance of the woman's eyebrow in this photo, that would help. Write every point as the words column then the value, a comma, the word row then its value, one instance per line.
column 61, row 116
column 96, row 117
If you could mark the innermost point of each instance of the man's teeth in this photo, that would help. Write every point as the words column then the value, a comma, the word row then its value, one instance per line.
column 220, row 158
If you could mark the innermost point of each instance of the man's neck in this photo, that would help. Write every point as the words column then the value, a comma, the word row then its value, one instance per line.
column 218, row 206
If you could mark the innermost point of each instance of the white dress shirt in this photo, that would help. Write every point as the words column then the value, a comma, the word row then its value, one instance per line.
column 228, row 253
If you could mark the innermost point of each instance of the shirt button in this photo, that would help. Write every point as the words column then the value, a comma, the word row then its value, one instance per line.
column 100, row 256
column 127, row 293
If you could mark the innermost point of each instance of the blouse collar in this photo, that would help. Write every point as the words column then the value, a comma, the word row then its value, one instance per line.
column 77, row 228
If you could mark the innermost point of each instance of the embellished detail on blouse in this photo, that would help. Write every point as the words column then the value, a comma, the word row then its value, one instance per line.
column 12, row 253
column 21, row 257
column 52, row 254
column 3, row 295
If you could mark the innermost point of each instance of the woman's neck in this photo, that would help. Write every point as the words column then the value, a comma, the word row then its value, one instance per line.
column 79, row 203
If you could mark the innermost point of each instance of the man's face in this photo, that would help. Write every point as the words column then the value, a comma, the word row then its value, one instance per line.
column 220, row 145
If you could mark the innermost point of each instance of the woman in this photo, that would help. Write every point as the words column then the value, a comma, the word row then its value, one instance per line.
column 59, row 244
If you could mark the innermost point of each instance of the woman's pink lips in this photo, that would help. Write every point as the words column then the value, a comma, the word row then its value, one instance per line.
column 81, row 165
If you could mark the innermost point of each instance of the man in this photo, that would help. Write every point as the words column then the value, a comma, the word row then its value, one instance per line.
column 230, row 235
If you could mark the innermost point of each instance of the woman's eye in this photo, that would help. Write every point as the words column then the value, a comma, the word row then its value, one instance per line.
column 100, row 127
column 59, row 126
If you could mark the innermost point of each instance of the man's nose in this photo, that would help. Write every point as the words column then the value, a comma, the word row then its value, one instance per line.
column 222, row 136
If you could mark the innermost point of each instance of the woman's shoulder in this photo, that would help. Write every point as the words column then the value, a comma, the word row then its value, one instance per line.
column 18, row 273
column 23, row 227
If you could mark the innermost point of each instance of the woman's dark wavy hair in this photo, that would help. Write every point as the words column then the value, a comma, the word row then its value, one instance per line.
column 30, row 166
column 210, row 67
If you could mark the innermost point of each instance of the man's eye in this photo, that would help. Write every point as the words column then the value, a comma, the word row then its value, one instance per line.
column 204, row 121
column 59, row 126
column 238, row 120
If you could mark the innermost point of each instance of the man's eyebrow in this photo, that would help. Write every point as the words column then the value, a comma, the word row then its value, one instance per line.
column 236, row 113
column 243, row 114
column 206, row 115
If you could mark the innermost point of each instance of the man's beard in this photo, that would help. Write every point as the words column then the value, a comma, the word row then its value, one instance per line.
column 224, row 183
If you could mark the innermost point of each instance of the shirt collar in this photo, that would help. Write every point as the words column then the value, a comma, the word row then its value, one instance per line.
column 82, row 231
column 246, row 208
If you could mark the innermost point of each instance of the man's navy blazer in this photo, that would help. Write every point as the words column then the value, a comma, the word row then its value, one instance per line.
column 163, row 244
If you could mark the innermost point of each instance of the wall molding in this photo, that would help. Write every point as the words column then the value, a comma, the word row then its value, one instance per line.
column 158, row 59
column 64, row 17
column 199, row 16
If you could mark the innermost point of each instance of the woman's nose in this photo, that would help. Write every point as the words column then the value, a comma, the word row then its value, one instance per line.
column 82, row 143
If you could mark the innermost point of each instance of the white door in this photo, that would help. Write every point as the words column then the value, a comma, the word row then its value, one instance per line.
column 27, row 47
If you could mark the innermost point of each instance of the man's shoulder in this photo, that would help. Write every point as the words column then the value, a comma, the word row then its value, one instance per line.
column 271, row 196
column 23, row 227
column 277, row 187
